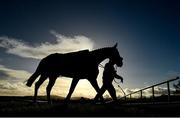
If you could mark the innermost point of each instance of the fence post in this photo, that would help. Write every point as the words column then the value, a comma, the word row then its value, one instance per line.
column 153, row 94
column 168, row 91
column 141, row 94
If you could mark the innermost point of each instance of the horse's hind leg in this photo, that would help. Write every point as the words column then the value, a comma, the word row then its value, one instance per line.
column 52, row 81
column 96, row 87
column 73, row 85
column 37, row 85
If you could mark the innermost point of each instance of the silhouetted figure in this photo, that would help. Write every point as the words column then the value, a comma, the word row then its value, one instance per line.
column 108, row 76
column 77, row 65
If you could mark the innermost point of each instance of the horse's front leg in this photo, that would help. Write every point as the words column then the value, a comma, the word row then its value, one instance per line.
column 96, row 87
column 51, row 83
column 73, row 85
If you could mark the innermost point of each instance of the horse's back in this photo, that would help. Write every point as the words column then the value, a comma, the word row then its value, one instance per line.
column 71, row 57
column 68, row 64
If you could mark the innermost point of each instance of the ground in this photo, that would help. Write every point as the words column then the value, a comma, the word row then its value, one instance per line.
column 23, row 106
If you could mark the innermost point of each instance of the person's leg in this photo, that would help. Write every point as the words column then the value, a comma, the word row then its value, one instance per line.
column 112, row 92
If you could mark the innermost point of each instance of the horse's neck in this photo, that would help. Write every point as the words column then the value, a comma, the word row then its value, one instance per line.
column 101, row 54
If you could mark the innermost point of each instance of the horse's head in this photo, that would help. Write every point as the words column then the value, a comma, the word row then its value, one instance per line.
column 115, row 56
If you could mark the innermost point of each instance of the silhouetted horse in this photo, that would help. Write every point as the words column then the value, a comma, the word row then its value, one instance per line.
column 77, row 65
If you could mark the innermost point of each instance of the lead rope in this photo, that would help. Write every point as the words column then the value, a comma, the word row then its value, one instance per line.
column 120, row 87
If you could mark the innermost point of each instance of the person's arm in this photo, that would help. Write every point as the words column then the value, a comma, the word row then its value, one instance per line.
column 118, row 77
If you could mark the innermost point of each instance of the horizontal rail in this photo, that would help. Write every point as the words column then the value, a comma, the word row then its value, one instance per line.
column 152, row 86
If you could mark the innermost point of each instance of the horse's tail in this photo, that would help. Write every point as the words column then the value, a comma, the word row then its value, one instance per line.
column 33, row 77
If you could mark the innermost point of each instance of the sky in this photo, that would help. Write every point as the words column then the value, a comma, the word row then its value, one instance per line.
column 147, row 33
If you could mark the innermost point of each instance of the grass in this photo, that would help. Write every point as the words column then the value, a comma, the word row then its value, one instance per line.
column 23, row 106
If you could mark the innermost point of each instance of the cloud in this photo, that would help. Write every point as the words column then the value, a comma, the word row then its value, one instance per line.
column 6, row 85
column 8, row 88
column 7, row 74
column 12, row 82
column 63, row 44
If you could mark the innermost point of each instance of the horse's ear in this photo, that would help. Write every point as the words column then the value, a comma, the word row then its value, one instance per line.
column 115, row 46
